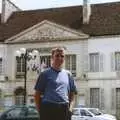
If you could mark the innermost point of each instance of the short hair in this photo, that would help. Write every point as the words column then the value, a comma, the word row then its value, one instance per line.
column 57, row 49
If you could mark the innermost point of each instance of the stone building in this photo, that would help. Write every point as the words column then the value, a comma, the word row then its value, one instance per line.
column 89, row 32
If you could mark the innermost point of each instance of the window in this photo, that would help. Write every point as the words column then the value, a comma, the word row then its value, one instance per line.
column 118, row 102
column 19, row 96
column 95, row 97
column 70, row 64
column 1, row 69
column 15, row 113
column 94, row 62
column 45, row 62
column 20, row 70
column 84, row 113
column 19, row 99
column 117, row 61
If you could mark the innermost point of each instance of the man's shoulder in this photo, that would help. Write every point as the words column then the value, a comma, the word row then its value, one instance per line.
column 67, row 71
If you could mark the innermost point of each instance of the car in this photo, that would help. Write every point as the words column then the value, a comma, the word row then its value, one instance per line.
column 21, row 112
column 90, row 114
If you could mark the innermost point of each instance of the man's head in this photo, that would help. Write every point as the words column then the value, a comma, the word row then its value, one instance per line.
column 58, row 57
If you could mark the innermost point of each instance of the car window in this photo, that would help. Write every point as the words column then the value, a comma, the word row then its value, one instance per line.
column 23, row 112
column 95, row 111
column 84, row 113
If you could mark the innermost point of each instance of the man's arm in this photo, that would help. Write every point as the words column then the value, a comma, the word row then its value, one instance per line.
column 71, row 100
column 37, row 98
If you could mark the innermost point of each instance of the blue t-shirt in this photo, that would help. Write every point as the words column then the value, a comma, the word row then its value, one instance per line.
column 55, row 85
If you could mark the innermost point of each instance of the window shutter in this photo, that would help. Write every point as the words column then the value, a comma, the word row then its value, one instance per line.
column 87, row 100
column 113, row 61
column 101, row 62
column 102, row 99
column 86, row 63
column 113, row 100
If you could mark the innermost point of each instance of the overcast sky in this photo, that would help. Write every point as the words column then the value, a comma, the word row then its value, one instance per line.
column 39, row 4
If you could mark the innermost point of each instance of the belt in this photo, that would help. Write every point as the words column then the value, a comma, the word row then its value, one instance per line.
column 59, row 105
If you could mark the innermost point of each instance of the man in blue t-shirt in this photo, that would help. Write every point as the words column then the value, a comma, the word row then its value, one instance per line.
column 55, row 89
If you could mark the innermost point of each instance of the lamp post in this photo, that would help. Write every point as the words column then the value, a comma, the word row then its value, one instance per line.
column 23, row 53
column 25, row 77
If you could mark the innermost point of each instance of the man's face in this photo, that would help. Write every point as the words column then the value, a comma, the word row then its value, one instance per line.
column 58, row 58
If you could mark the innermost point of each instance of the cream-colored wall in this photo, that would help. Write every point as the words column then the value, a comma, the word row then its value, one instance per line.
column 106, row 46
column 106, row 79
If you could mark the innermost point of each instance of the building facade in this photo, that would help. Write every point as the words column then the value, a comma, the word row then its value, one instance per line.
column 91, row 39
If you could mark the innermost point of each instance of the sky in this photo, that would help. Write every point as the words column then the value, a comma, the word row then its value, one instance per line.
column 40, row 4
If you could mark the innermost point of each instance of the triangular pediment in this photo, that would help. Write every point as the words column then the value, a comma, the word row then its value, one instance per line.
column 46, row 31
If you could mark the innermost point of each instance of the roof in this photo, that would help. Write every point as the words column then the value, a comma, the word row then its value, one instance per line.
column 104, row 20
column 0, row 18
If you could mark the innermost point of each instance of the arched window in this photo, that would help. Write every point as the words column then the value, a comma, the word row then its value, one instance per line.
column 19, row 96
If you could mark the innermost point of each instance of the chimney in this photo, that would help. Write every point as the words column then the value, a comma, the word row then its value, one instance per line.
column 86, row 11
column 7, row 9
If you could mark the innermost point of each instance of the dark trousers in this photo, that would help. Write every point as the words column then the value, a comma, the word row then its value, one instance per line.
column 51, row 111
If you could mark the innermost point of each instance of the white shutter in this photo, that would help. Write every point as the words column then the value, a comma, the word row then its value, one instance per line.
column 102, row 99
column 87, row 100
column 113, row 61
column 101, row 62
column 86, row 63
column 113, row 100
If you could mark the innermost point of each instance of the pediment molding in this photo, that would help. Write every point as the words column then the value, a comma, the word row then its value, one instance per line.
column 46, row 31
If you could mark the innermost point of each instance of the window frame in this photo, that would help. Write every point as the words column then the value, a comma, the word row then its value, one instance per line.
column 117, row 61
column 20, row 64
column 94, row 67
column 70, row 63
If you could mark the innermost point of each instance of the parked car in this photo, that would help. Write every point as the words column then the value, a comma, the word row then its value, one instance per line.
column 90, row 114
column 23, row 112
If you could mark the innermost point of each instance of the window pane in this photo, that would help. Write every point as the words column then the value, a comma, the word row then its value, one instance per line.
column 117, row 61
column 45, row 62
column 19, row 100
column 84, row 113
column 70, row 64
column 94, row 97
column 20, row 66
column 14, row 113
column 94, row 62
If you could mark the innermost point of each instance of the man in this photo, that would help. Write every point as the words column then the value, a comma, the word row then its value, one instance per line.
column 55, row 89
